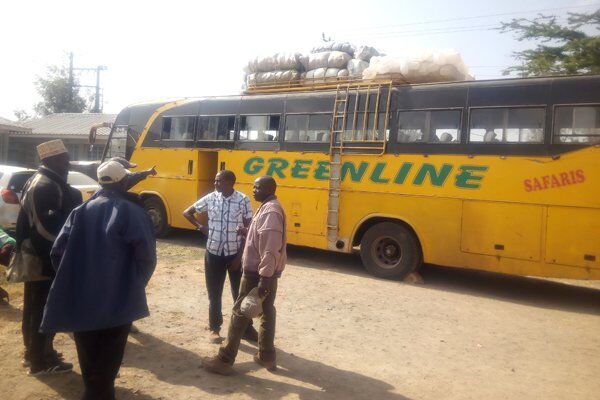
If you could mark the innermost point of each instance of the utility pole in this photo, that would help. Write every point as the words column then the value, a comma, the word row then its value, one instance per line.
column 97, row 70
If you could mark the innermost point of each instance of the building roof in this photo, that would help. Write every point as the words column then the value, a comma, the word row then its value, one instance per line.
column 12, row 125
column 68, row 124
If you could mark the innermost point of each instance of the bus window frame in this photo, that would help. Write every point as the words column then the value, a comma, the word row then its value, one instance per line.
column 394, row 135
column 192, row 140
column 268, row 145
column 500, row 143
column 569, row 145
column 230, row 141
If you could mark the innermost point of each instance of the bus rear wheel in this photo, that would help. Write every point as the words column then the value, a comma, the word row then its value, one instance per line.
column 158, row 216
column 390, row 250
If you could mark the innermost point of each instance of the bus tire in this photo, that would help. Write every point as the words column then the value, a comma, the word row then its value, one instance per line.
column 158, row 215
column 390, row 250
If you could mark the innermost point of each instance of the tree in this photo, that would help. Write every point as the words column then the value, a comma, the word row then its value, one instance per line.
column 59, row 93
column 561, row 50
column 21, row 114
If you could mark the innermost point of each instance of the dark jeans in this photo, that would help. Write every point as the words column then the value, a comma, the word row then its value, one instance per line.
column 239, row 323
column 37, row 345
column 215, row 269
column 100, row 354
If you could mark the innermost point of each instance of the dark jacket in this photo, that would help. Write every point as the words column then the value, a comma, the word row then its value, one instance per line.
column 104, row 257
column 45, row 205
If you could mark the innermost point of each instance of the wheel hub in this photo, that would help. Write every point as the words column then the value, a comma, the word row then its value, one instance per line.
column 387, row 252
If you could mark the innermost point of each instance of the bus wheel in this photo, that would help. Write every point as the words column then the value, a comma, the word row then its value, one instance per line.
column 158, row 215
column 389, row 250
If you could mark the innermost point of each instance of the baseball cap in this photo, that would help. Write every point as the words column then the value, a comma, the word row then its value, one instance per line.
column 251, row 306
column 111, row 172
column 123, row 162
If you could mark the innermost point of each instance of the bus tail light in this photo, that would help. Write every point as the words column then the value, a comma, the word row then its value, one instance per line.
column 9, row 196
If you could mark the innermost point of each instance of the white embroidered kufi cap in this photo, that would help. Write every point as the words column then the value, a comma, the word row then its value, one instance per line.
column 51, row 148
column 111, row 172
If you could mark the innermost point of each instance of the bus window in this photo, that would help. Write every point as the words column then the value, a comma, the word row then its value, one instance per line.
column 117, row 145
column 216, row 127
column 507, row 125
column 573, row 125
column 307, row 128
column 259, row 128
column 357, row 130
column 178, row 128
column 435, row 126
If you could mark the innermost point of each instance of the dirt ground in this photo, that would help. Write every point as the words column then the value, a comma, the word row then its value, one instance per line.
column 343, row 334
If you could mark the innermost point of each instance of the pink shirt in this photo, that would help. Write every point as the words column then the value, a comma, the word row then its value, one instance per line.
column 264, row 252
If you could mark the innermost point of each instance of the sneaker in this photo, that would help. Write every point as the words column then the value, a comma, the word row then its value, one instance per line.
column 251, row 335
column 51, row 357
column 215, row 337
column 54, row 368
column 215, row 365
column 269, row 365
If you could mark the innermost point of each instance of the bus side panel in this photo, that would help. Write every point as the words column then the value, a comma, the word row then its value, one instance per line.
column 570, row 240
column 502, row 229
column 175, row 181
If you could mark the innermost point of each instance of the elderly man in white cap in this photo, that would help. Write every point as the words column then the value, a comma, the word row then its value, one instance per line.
column 46, row 203
column 104, row 257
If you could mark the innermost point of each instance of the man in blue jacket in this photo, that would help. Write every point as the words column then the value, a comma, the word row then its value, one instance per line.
column 104, row 257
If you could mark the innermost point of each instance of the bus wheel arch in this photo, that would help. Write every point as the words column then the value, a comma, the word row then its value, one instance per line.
column 157, row 211
column 389, row 247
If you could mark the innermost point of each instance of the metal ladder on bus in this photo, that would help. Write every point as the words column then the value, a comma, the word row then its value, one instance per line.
column 340, row 145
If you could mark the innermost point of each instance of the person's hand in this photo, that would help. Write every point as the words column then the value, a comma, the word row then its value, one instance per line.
column 151, row 171
column 202, row 228
column 4, row 295
column 241, row 230
column 235, row 264
column 263, row 287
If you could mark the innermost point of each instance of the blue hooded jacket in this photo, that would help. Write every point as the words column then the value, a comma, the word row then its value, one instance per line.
column 104, row 257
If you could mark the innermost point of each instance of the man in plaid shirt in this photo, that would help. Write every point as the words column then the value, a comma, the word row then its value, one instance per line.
column 228, row 210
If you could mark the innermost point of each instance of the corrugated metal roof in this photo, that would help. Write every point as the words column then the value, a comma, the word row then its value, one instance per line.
column 12, row 125
column 70, row 124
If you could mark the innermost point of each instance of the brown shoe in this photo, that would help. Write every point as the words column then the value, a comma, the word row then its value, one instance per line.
column 251, row 335
column 215, row 365
column 215, row 337
column 269, row 365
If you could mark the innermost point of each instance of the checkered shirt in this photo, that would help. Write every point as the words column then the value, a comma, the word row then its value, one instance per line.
column 225, row 214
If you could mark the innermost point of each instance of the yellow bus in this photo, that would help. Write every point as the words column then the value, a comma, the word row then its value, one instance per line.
column 499, row 175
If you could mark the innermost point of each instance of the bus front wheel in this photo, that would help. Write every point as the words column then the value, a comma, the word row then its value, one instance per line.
column 390, row 250
column 158, row 215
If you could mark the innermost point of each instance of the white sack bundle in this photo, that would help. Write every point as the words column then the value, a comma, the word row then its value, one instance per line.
column 356, row 67
column 437, row 66
column 334, row 46
column 275, row 62
column 326, row 59
column 321, row 75
column 272, row 77
column 366, row 52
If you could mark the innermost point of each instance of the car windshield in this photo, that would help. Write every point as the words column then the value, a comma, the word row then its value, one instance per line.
column 77, row 178
column 17, row 181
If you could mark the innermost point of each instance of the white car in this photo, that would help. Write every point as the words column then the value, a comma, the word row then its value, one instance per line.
column 12, row 180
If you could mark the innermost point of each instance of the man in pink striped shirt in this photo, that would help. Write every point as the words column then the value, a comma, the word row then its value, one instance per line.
column 263, row 261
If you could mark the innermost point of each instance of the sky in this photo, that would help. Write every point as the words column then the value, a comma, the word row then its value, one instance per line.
column 168, row 49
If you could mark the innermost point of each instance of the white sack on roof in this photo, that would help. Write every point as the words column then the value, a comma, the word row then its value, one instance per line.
column 321, row 75
column 366, row 52
column 437, row 66
column 272, row 77
column 326, row 59
column 356, row 67
column 275, row 62
column 334, row 46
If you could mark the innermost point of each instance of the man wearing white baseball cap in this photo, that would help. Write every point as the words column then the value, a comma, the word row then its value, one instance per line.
column 95, row 295
column 45, row 205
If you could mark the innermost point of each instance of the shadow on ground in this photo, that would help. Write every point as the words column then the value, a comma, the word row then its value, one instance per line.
column 178, row 366
column 535, row 292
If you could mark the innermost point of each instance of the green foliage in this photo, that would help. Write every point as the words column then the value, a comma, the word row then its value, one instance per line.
column 561, row 49
column 21, row 115
column 58, row 93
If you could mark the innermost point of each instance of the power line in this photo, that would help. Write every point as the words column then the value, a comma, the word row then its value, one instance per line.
column 473, row 17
